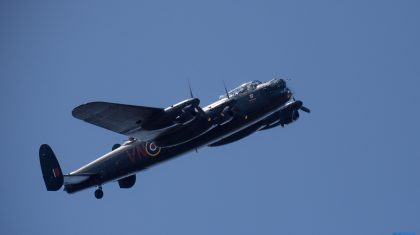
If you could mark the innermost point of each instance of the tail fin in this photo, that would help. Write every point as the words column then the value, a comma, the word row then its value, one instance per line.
column 51, row 171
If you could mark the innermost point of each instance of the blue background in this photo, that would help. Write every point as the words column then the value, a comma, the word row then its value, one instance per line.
column 349, row 167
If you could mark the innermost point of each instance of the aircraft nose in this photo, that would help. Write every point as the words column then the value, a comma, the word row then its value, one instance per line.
column 282, row 82
column 277, row 83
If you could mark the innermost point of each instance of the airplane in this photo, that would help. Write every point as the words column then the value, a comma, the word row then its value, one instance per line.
column 156, row 134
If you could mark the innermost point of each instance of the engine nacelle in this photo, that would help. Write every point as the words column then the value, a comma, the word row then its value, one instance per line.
column 186, row 115
column 181, row 113
column 194, row 102
column 288, row 116
column 290, row 113
column 184, row 112
column 225, row 116
column 222, row 113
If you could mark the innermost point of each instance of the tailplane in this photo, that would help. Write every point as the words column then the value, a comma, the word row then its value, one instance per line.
column 51, row 171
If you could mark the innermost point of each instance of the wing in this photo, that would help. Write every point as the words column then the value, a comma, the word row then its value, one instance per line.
column 120, row 118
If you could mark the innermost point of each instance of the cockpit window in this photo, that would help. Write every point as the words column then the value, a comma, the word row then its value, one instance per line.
column 244, row 88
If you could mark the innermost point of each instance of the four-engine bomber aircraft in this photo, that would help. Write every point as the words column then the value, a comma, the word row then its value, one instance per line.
column 157, row 134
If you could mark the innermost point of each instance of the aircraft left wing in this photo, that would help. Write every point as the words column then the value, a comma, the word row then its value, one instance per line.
column 120, row 118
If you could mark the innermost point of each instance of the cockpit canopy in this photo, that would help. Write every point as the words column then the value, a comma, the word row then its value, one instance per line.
column 244, row 88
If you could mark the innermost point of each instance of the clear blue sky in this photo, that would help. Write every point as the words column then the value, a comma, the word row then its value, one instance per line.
column 350, row 167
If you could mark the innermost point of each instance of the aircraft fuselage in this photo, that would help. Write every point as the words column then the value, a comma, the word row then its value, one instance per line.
column 135, row 155
column 171, row 132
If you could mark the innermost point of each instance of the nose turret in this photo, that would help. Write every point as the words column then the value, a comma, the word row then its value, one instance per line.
column 277, row 83
column 281, row 82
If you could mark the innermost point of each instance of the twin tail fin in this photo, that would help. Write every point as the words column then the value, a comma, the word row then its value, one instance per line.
column 51, row 170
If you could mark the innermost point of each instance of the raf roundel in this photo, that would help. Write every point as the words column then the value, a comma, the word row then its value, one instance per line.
column 152, row 150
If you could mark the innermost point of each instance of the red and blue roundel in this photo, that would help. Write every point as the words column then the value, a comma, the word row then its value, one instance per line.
column 152, row 150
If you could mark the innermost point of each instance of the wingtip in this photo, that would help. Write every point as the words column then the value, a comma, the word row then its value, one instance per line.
column 79, row 111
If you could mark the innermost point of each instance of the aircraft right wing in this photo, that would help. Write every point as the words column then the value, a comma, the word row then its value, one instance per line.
column 120, row 118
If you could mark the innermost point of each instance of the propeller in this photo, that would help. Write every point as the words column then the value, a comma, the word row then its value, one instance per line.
column 196, row 109
column 189, row 86
column 227, row 93
column 303, row 108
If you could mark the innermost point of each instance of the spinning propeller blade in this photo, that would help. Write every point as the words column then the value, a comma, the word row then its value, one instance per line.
column 227, row 93
column 305, row 109
column 189, row 85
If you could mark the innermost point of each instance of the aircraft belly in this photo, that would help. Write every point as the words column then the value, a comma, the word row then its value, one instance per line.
column 237, row 135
